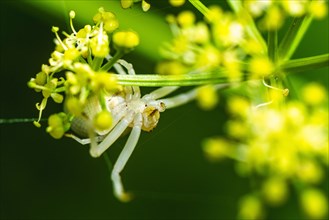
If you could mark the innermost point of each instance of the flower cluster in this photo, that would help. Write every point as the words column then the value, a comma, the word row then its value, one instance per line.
column 78, row 70
column 281, row 146
column 272, row 13
column 146, row 6
column 219, row 44
column 231, row 44
column 203, row 45
column 129, row 3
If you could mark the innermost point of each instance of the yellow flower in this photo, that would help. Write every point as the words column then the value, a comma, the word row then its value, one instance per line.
column 314, row 94
column 260, row 67
column 314, row 203
column 250, row 208
column 176, row 3
column 275, row 190
column 215, row 148
column 103, row 120
column 318, row 9
column 125, row 40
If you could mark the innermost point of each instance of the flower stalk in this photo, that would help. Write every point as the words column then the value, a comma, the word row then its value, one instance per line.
column 294, row 36
column 304, row 64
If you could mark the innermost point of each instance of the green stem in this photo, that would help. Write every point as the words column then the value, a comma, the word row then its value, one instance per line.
column 112, row 61
column 250, row 25
column 102, row 101
column 60, row 89
column 107, row 161
column 272, row 42
column 149, row 80
column 82, row 60
column 201, row 7
column 97, row 63
column 19, row 120
column 293, row 37
column 304, row 64
column 89, row 58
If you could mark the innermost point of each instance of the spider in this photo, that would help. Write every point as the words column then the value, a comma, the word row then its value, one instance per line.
column 129, row 109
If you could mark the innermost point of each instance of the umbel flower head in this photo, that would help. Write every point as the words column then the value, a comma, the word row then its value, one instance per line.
column 283, row 146
column 78, row 70
column 231, row 44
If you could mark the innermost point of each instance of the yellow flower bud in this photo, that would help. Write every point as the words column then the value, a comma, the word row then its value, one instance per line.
column 274, row 18
column 145, row 6
column 56, row 127
column 125, row 39
column 74, row 106
column 41, row 78
column 215, row 148
column 239, row 106
column 103, row 120
column 207, row 97
column 71, row 54
column 186, row 18
column 314, row 203
column 250, row 208
column 170, row 68
column 58, row 98
column 100, row 45
column 275, row 190
column 111, row 25
column 126, row 3
column 72, row 14
column 314, row 94
column 260, row 67
column 51, row 85
column 104, row 80
column 176, row 3
column 318, row 9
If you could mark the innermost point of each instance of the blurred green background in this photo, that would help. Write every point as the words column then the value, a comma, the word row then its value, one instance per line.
column 43, row 178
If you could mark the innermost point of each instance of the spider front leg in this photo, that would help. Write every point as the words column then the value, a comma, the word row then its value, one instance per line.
column 184, row 98
column 123, row 158
column 97, row 150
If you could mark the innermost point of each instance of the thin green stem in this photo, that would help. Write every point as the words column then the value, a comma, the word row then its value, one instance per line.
column 250, row 25
column 97, row 63
column 149, row 80
column 82, row 60
column 112, row 61
column 102, row 101
column 201, row 7
column 107, row 161
column 89, row 58
column 60, row 89
column 272, row 42
column 18, row 120
column 304, row 64
column 293, row 37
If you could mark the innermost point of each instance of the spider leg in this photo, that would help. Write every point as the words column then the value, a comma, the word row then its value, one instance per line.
column 84, row 141
column 161, row 92
column 97, row 150
column 131, row 71
column 179, row 99
column 185, row 97
column 123, row 158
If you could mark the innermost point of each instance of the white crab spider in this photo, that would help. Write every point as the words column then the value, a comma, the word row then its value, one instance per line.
column 128, row 109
